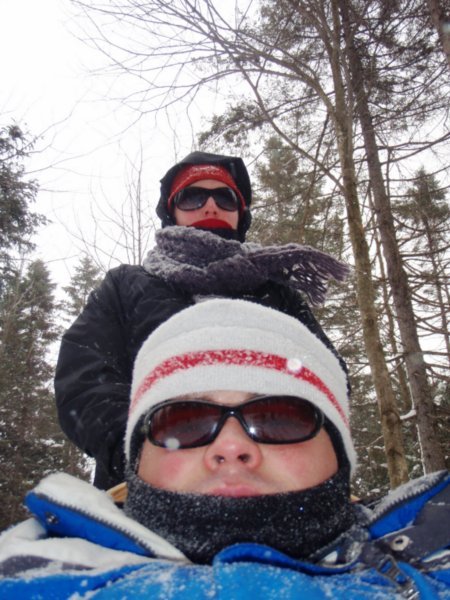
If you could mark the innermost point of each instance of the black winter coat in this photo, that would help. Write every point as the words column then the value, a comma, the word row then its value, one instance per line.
column 95, row 363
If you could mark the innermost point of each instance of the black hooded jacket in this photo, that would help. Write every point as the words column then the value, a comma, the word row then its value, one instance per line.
column 95, row 363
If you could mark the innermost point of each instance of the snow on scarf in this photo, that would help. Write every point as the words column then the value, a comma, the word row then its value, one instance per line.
column 204, row 263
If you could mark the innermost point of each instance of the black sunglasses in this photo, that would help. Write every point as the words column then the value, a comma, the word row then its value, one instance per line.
column 179, row 424
column 193, row 198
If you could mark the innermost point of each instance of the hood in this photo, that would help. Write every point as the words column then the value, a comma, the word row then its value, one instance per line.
column 234, row 165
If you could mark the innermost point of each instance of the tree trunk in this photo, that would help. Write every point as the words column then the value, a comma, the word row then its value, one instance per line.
column 403, row 389
column 441, row 23
column 390, row 420
column 432, row 456
column 437, row 281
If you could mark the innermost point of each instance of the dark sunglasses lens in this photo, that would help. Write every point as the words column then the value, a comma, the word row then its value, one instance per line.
column 183, row 424
column 193, row 198
column 225, row 199
column 281, row 419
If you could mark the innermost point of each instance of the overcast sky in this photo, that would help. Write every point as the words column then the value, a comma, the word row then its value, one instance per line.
column 86, row 142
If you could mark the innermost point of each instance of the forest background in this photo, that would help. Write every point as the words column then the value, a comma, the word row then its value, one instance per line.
column 340, row 109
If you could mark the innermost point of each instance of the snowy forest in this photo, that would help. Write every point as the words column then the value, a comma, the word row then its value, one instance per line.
column 340, row 110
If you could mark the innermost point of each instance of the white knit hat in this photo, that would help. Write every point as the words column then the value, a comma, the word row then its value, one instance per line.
column 236, row 345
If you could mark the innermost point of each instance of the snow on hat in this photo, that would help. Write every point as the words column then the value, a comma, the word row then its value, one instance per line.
column 224, row 344
column 192, row 173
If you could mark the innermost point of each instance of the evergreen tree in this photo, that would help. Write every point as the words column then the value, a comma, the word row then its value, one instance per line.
column 17, row 222
column 86, row 277
column 423, row 218
column 290, row 205
column 423, row 222
column 27, row 328
column 31, row 442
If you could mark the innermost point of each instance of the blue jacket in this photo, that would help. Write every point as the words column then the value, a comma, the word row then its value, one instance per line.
column 81, row 545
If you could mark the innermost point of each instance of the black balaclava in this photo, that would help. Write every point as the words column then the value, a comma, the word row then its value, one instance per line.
column 296, row 523
column 238, row 171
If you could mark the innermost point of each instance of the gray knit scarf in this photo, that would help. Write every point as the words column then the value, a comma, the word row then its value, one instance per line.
column 299, row 524
column 203, row 263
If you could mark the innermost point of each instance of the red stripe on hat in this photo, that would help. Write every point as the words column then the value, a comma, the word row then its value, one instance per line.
column 242, row 358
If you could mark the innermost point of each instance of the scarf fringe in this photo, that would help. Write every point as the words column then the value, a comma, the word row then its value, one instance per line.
column 203, row 263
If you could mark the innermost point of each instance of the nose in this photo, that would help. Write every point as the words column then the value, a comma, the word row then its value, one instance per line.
column 233, row 447
column 210, row 207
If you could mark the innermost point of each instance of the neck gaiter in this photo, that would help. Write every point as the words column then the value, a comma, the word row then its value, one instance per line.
column 199, row 525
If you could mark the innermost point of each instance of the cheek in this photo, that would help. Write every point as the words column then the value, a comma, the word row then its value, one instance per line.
column 233, row 219
column 164, row 469
column 305, row 465
column 185, row 217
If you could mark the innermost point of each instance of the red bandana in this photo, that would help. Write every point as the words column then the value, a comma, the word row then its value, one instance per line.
column 192, row 173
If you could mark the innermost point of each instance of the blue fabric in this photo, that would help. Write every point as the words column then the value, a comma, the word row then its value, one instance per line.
column 234, row 581
column 405, row 512
column 269, row 556
column 60, row 586
column 426, row 586
column 240, row 572
column 65, row 522
column 240, row 581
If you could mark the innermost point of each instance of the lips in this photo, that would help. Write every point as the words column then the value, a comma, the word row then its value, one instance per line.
column 212, row 224
column 234, row 491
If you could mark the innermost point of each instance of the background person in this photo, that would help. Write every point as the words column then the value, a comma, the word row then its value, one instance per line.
column 235, row 492
column 205, row 213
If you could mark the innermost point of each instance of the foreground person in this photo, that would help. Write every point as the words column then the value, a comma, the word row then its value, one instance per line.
column 205, row 213
column 239, row 458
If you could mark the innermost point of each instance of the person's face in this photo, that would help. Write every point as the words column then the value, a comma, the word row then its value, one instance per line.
column 209, row 211
column 234, row 465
